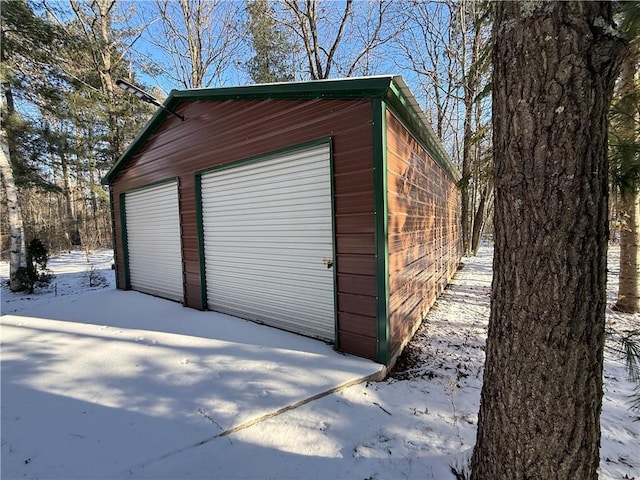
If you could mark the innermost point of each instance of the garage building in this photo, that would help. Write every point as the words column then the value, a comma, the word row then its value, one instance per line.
column 326, row 208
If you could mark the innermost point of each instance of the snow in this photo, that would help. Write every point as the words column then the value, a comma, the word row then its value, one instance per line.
column 100, row 383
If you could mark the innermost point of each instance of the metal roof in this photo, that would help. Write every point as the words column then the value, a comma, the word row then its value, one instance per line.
column 390, row 88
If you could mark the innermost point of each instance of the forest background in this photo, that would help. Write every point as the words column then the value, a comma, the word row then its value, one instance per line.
column 65, row 123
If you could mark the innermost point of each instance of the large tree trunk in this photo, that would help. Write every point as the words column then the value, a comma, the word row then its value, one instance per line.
column 554, row 68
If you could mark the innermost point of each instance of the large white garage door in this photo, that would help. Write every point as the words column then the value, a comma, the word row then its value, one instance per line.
column 268, row 242
column 153, row 241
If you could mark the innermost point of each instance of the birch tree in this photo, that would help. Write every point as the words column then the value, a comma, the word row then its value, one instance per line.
column 25, row 42
column 18, row 260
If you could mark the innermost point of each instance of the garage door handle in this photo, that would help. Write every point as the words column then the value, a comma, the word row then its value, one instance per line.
column 328, row 262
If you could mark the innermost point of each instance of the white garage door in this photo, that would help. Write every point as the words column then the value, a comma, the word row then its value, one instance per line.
column 153, row 241
column 268, row 238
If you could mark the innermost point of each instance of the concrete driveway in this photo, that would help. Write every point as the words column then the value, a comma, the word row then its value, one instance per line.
column 105, row 382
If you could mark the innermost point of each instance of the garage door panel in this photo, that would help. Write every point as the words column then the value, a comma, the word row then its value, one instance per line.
column 267, row 228
column 153, row 241
column 302, row 171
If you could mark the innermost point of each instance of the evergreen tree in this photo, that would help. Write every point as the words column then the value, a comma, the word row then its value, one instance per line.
column 272, row 61
column 26, row 43
column 624, row 154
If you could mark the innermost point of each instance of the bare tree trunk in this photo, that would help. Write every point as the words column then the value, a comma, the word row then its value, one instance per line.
column 628, row 280
column 199, row 38
column 465, row 216
column 555, row 64
column 629, row 207
column 69, row 224
column 478, row 222
column 319, row 57
column 470, row 87
column 18, row 259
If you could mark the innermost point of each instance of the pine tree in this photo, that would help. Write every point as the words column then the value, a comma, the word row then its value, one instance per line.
column 624, row 152
column 26, row 41
column 272, row 61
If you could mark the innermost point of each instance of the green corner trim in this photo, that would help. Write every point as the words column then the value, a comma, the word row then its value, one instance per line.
column 123, row 239
column 112, row 211
column 200, row 226
column 383, row 344
column 336, row 336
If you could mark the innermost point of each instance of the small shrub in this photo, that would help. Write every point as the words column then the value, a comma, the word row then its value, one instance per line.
column 95, row 278
column 36, row 274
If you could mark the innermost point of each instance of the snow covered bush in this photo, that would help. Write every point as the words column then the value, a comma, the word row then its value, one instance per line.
column 95, row 278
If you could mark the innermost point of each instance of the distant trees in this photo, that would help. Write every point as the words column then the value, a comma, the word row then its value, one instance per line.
column 624, row 149
column 199, row 38
column 554, row 68
column 64, row 122
column 445, row 44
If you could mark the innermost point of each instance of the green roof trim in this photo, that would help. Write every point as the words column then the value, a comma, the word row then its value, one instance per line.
column 392, row 89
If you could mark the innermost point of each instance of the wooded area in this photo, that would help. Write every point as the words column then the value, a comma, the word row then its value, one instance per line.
column 64, row 124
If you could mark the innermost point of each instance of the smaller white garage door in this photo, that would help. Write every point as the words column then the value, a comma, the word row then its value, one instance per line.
column 153, row 241
column 268, row 242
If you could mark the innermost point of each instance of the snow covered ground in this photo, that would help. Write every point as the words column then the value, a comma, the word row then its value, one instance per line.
column 140, row 395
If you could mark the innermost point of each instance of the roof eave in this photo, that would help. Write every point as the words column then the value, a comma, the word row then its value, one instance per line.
column 149, row 129
column 401, row 99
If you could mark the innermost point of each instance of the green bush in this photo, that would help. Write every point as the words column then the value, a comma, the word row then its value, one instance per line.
column 36, row 274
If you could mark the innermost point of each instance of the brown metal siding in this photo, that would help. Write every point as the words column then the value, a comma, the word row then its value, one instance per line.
column 424, row 249
column 216, row 133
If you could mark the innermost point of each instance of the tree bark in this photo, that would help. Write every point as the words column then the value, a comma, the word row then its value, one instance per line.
column 554, row 67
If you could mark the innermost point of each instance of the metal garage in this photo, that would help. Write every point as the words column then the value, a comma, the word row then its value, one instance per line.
column 268, row 241
column 153, row 240
column 327, row 208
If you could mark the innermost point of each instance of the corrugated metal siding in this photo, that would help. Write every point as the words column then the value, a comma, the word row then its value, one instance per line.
column 153, row 241
column 217, row 133
column 423, row 222
column 267, row 228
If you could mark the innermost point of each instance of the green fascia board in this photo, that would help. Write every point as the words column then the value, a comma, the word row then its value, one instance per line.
column 390, row 88
column 367, row 87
